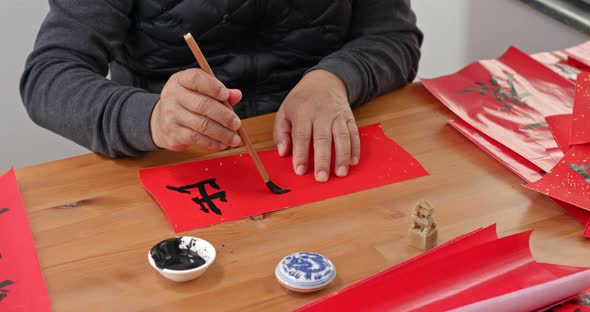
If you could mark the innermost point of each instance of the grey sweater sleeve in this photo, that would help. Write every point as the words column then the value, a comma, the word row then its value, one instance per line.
column 64, row 87
column 382, row 53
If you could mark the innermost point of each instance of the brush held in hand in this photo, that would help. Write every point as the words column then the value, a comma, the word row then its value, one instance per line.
column 245, row 139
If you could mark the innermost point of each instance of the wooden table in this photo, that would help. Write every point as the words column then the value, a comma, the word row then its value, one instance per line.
column 94, row 256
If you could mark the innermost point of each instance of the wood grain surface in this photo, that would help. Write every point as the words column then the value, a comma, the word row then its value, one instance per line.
column 94, row 255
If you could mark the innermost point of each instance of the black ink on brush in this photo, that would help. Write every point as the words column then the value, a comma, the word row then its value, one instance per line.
column 275, row 189
column 3, row 210
column 168, row 255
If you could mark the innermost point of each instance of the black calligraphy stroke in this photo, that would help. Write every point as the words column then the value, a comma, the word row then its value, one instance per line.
column 6, row 283
column 581, row 170
column 205, row 202
column 4, row 292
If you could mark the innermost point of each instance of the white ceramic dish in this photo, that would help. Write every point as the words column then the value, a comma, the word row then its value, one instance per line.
column 202, row 247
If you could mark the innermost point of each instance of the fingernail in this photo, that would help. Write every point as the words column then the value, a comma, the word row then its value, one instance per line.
column 236, row 141
column 300, row 170
column 354, row 161
column 224, row 94
column 238, row 91
column 236, row 124
column 281, row 148
column 322, row 176
column 342, row 171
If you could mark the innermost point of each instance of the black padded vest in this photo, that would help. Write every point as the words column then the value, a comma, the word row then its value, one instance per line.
column 261, row 46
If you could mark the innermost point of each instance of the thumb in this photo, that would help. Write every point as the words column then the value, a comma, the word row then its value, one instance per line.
column 235, row 96
column 282, row 134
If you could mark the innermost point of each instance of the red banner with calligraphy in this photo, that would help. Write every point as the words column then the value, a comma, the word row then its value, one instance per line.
column 508, row 100
column 22, row 287
column 208, row 192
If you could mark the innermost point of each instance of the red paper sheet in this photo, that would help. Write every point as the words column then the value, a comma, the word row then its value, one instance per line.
column 523, row 299
column 559, row 62
column 516, row 163
column 580, row 131
column 569, row 181
column 580, row 53
column 239, row 192
column 508, row 99
column 561, row 126
column 581, row 215
column 21, row 283
column 581, row 303
column 466, row 270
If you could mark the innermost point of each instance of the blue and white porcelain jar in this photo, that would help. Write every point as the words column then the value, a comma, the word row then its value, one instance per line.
column 305, row 272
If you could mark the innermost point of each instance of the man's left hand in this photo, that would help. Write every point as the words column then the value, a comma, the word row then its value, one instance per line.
column 318, row 108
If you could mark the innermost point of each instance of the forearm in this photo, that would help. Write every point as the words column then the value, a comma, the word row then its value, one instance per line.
column 64, row 87
column 383, row 52
column 70, row 100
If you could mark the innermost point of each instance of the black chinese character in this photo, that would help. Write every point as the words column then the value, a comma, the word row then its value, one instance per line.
column 566, row 71
column 3, row 210
column 582, row 170
column 3, row 291
column 500, row 93
column 205, row 201
column 535, row 126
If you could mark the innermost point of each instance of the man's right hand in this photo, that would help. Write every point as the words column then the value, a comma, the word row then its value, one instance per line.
column 191, row 112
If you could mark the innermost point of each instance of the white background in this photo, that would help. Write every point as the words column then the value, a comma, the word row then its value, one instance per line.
column 457, row 33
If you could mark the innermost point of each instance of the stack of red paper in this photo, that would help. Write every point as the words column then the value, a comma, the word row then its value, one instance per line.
column 533, row 115
column 475, row 272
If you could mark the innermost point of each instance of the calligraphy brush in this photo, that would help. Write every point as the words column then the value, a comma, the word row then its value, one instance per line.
column 245, row 139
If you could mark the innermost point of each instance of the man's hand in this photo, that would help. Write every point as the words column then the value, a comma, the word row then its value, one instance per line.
column 190, row 112
column 317, row 108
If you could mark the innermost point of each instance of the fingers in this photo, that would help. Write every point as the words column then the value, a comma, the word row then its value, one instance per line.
column 210, row 107
column 190, row 112
column 208, row 127
column 282, row 134
column 235, row 96
column 322, row 147
column 355, row 141
column 342, row 146
column 341, row 132
column 199, row 81
column 206, row 95
column 184, row 136
column 180, row 138
column 301, row 138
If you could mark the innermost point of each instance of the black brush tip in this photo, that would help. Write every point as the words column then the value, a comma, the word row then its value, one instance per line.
column 275, row 189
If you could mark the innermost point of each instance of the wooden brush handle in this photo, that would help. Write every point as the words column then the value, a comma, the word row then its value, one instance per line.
column 241, row 132
column 253, row 153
